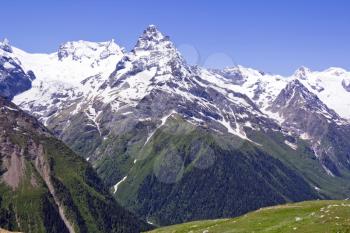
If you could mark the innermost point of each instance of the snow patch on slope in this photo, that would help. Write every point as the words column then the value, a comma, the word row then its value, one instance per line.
column 291, row 145
column 163, row 121
column 117, row 184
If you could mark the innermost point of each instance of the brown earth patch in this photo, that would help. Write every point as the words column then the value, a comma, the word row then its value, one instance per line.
column 14, row 165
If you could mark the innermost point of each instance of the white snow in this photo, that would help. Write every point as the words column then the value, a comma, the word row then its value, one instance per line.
column 229, row 128
column 93, row 116
column 329, row 172
column 126, row 113
column 11, row 109
column 17, row 129
column 333, row 94
column 237, row 132
column 270, row 84
column 8, row 65
column 196, row 119
column 117, row 184
column 150, row 136
column 64, row 76
column 291, row 145
column 83, row 59
column 151, row 223
column 48, row 67
column 163, row 121
column 84, row 66
column 305, row 136
column 276, row 116
column 137, row 86
column 327, row 85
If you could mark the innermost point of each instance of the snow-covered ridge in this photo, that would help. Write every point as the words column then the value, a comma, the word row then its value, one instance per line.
column 153, row 62
column 62, row 76
column 73, row 62
column 331, row 86
column 78, row 50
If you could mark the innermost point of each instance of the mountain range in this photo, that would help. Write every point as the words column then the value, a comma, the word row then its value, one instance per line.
column 176, row 142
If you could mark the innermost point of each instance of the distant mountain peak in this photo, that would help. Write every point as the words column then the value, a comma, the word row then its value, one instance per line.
column 296, row 96
column 302, row 72
column 336, row 71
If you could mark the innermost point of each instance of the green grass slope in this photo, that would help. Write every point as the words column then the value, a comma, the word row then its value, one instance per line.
column 306, row 217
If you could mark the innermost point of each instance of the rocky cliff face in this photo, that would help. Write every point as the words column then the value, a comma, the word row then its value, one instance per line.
column 307, row 117
column 13, row 79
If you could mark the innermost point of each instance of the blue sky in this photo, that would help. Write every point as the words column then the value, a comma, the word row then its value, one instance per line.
column 270, row 35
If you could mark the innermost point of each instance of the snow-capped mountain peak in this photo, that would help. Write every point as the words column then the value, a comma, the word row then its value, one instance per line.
column 152, row 32
column 153, row 42
column 154, row 54
column 150, row 38
column 302, row 72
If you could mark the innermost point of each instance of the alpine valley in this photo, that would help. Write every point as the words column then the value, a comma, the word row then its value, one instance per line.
column 171, row 141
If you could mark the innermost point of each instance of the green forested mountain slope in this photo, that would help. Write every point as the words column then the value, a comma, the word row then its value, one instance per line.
column 45, row 187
